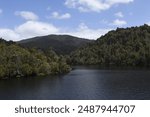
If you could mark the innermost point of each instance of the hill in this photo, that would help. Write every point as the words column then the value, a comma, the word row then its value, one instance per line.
column 16, row 61
column 61, row 44
column 120, row 47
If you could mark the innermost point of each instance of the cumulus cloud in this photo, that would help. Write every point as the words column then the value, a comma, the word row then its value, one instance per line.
column 35, row 28
column 27, row 15
column 31, row 29
column 84, row 31
column 87, row 5
column 27, row 30
column 94, row 5
column 56, row 15
column 118, row 22
column 9, row 34
column 119, row 14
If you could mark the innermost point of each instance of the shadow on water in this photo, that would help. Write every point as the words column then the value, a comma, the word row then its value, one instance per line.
column 81, row 83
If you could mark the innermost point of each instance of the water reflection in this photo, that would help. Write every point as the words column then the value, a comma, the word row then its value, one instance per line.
column 81, row 83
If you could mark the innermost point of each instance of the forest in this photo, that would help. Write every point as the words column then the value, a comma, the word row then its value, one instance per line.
column 16, row 61
column 120, row 47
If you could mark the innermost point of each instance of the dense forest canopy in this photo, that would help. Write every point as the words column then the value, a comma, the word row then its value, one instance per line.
column 120, row 47
column 16, row 61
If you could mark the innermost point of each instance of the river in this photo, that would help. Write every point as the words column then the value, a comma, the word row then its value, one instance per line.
column 81, row 83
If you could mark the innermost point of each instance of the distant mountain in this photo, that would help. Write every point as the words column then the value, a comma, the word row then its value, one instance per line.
column 120, row 47
column 61, row 44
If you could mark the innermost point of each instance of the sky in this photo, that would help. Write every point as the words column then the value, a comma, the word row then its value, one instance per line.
column 22, row 19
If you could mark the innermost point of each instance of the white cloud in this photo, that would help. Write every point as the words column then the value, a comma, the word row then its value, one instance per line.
column 9, row 34
column 56, row 15
column 118, row 22
column 35, row 28
column 84, row 31
column 119, row 14
column 112, row 2
column 1, row 11
column 87, row 5
column 27, row 15
column 27, row 30
column 94, row 5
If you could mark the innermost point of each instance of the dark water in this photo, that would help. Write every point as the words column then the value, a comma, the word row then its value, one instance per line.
column 81, row 83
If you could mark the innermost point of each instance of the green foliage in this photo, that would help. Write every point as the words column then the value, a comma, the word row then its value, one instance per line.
column 16, row 61
column 123, row 47
column 26, row 69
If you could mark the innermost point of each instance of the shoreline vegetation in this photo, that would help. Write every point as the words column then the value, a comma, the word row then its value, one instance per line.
column 16, row 61
column 121, row 47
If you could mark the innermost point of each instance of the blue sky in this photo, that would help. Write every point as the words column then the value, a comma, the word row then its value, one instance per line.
column 20, row 19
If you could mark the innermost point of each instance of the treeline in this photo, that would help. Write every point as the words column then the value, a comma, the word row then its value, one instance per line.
column 16, row 61
column 122, row 47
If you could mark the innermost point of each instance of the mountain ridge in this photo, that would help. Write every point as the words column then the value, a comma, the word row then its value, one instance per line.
column 61, row 44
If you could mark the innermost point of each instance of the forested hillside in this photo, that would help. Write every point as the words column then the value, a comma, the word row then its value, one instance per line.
column 120, row 47
column 16, row 61
column 61, row 44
